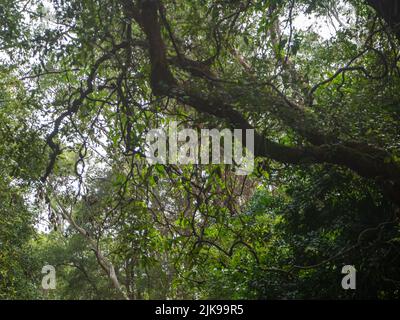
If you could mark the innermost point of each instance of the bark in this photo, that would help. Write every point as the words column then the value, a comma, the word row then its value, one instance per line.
column 389, row 10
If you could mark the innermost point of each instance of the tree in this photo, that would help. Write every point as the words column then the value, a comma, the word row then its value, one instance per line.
column 85, row 81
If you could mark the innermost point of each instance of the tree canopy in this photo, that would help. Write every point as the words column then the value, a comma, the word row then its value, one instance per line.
column 82, row 84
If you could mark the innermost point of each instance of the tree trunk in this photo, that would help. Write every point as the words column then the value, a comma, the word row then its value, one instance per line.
column 389, row 10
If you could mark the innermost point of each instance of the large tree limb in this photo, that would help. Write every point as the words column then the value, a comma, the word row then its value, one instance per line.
column 355, row 156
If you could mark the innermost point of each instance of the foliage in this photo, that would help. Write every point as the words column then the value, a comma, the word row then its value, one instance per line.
column 83, row 82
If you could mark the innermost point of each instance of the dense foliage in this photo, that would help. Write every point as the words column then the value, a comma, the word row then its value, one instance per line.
column 83, row 82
